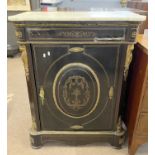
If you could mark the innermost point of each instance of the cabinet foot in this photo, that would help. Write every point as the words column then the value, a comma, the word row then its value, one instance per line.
column 36, row 141
column 118, row 141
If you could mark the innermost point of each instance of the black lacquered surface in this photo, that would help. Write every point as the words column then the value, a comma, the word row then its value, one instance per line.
column 77, row 85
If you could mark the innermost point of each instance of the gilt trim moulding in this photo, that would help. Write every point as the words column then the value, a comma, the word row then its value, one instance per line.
column 78, row 16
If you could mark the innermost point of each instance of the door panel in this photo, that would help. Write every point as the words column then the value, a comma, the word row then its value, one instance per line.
column 74, row 83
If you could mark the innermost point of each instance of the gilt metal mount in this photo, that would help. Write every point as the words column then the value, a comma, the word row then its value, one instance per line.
column 76, row 49
column 18, row 34
column 111, row 92
column 76, row 127
column 22, row 49
column 128, row 60
column 42, row 94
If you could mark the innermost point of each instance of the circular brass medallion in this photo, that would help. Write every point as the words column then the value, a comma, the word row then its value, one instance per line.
column 76, row 90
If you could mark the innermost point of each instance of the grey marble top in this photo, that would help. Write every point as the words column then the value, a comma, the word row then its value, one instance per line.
column 78, row 16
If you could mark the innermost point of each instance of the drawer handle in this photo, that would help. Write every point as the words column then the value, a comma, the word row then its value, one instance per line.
column 76, row 49
column 108, row 39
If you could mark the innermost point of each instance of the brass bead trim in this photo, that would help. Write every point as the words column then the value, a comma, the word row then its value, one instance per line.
column 76, row 42
column 67, row 133
column 75, row 25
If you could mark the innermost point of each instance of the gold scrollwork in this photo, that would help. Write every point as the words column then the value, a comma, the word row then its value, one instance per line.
column 22, row 48
column 76, row 49
column 74, row 87
column 42, row 94
column 111, row 92
column 128, row 60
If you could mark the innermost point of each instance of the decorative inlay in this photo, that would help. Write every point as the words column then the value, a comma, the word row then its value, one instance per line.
column 76, row 92
column 77, row 34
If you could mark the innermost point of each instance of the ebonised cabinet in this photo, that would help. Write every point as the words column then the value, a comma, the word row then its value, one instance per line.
column 74, row 70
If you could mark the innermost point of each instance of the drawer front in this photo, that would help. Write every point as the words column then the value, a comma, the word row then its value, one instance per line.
column 142, row 125
column 74, row 34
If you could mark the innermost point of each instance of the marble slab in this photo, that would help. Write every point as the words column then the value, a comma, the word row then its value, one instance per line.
column 78, row 16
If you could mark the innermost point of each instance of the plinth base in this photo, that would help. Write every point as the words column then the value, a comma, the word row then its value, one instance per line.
column 116, row 139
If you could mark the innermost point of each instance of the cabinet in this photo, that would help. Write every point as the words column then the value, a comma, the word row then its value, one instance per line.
column 74, row 67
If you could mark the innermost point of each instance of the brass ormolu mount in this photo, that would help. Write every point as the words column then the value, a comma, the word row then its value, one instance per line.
column 22, row 49
column 128, row 60
column 42, row 94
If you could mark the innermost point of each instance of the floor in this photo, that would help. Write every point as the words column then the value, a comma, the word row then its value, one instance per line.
column 19, row 123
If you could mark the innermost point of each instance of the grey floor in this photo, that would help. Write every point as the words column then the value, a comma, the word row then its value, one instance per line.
column 19, row 123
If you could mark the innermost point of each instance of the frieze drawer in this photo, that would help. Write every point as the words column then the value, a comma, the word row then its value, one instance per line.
column 74, row 34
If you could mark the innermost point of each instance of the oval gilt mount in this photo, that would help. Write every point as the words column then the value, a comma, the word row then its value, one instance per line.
column 76, row 49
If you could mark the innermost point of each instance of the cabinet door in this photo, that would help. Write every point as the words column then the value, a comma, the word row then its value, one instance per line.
column 78, row 85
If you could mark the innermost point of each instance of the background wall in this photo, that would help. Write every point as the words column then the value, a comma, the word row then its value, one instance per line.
column 87, row 4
